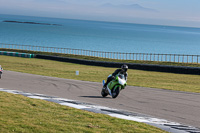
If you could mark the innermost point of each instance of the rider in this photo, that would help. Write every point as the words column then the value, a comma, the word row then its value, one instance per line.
column 123, row 70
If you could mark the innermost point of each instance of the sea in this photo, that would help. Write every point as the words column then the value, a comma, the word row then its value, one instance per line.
column 99, row 35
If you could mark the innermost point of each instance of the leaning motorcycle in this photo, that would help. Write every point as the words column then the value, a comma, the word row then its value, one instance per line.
column 114, row 87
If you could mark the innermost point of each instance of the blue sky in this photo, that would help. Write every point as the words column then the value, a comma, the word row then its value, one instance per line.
column 161, row 12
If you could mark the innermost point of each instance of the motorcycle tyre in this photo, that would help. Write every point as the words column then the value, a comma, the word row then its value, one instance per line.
column 103, row 93
column 116, row 91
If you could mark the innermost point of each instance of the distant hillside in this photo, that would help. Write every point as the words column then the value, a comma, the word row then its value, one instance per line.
column 132, row 7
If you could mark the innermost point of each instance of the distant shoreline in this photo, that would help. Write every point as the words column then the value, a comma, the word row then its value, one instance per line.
column 11, row 21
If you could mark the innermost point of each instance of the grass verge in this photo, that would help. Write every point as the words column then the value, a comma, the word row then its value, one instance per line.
column 21, row 114
column 104, row 59
column 179, row 82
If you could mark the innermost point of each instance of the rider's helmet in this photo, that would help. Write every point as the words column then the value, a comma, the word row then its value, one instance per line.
column 124, row 67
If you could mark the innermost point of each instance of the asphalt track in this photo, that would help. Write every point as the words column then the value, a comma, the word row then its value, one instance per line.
column 181, row 107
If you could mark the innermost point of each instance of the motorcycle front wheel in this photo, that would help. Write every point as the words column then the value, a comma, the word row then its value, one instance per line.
column 115, row 92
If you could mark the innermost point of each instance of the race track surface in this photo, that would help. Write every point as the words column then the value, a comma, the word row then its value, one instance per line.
column 182, row 107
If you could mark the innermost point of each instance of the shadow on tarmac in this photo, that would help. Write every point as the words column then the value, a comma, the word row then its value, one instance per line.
column 94, row 97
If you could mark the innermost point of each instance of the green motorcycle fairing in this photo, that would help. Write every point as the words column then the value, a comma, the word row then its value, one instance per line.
column 114, row 84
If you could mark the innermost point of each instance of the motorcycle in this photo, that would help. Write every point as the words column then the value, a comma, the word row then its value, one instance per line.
column 114, row 87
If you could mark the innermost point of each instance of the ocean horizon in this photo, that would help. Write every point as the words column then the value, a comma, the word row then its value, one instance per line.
column 99, row 35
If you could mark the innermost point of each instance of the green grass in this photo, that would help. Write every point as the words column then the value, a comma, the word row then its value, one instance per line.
column 161, row 80
column 104, row 59
column 21, row 114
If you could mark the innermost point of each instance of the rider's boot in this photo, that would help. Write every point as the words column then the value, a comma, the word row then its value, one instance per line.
column 104, row 87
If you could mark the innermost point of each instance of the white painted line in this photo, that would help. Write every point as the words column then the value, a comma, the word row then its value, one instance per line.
column 27, row 93
column 102, row 107
column 62, row 99
column 11, row 91
column 38, row 97
column 38, row 94
column 74, row 105
column 161, row 121
column 129, row 117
